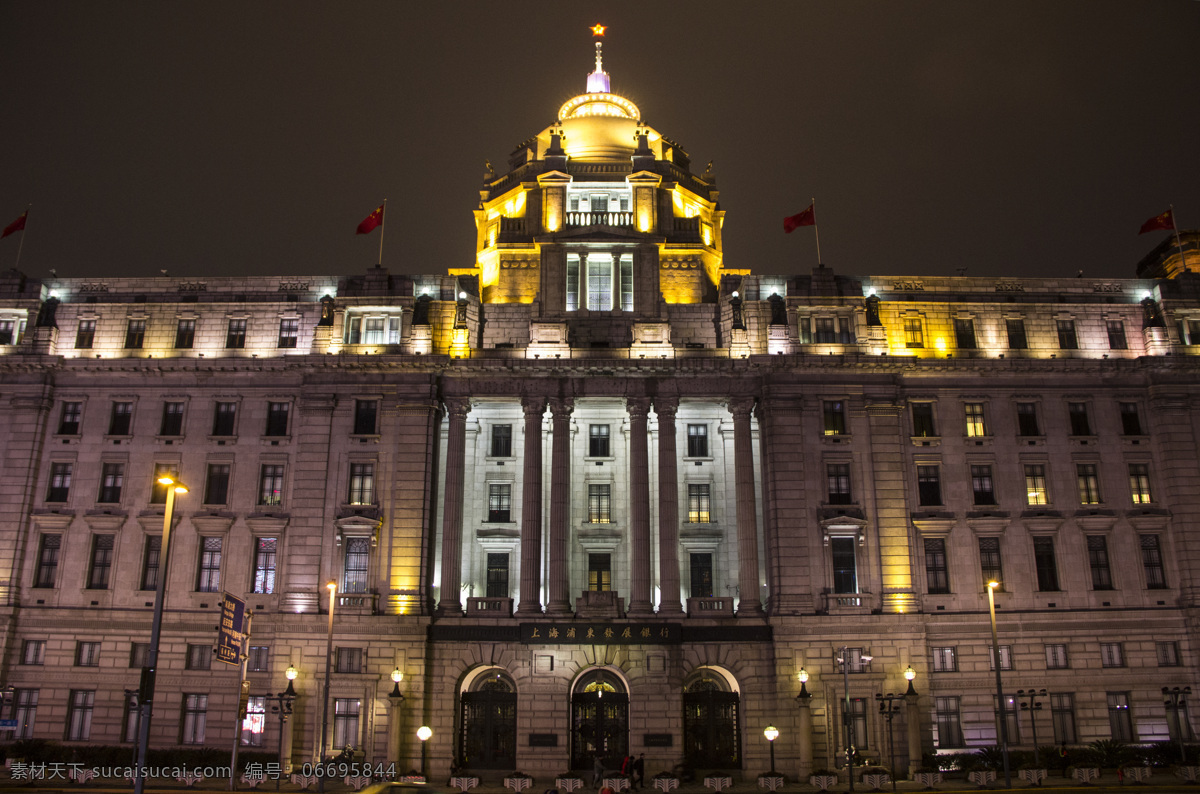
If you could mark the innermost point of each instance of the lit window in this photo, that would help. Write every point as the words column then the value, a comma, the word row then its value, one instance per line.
column 135, row 334
column 208, row 577
column 599, row 503
column 599, row 573
column 699, row 504
column 1005, row 658
column 265, row 550
column 68, row 423
column 270, row 485
column 913, row 335
column 499, row 502
column 254, row 724
column 835, row 417
column 1088, row 482
column 87, row 654
column 1035, row 485
column 33, row 652
column 112, row 478
column 599, row 282
column 354, row 572
column 976, row 427
column 362, row 484
column 1139, row 483
column 345, row 722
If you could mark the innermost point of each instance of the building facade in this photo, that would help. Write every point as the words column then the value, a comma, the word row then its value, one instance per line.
column 603, row 494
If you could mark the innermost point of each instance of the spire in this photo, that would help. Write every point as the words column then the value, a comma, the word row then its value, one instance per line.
column 597, row 82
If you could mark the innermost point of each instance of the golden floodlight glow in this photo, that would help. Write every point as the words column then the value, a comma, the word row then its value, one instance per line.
column 331, row 586
column 598, row 105
column 993, row 584
column 169, row 481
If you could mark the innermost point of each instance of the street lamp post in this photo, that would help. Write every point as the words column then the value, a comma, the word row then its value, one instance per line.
column 991, row 588
column 423, row 733
column 888, row 707
column 772, row 733
column 847, row 722
column 1176, row 699
column 332, row 587
column 146, row 688
column 283, row 705
column 1033, row 705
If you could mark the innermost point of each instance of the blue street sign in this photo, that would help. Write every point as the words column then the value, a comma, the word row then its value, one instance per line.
column 229, row 632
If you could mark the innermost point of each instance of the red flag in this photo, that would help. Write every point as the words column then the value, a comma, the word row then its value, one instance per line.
column 806, row 218
column 1166, row 222
column 371, row 221
column 16, row 226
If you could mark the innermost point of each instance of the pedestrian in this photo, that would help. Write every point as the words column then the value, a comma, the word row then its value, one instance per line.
column 626, row 763
column 639, row 771
column 597, row 771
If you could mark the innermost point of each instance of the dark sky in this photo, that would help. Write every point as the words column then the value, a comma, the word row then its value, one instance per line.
column 213, row 138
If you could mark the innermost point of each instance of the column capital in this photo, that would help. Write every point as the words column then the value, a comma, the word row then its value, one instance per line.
column 562, row 407
column 457, row 406
column 534, row 405
column 666, row 407
column 741, row 407
column 638, row 407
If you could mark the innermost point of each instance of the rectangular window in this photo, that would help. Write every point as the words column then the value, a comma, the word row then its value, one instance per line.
column 60, row 482
column 1066, row 335
column 85, row 334
column 598, row 441
column 838, row 477
column 139, row 653
column 79, row 714
column 1116, row 335
column 254, row 724
column 1179, row 727
column 497, row 575
column 572, row 281
column 1089, row 483
column 1131, row 420
column 697, row 441
column 1139, row 484
column 976, row 426
column 349, row 660
column 277, row 419
column 365, row 415
column 945, row 660
column 626, row 281
column 25, row 712
column 1005, row 658
column 964, row 334
column 499, row 503
column 989, row 561
column 345, row 722
column 87, row 654
column 845, row 567
column 289, row 333
column 805, row 324
column 6, row 332
column 702, row 575
column 235, row 335
column 501, row 441
column 858, row 722
column 135, row 334
column 1193, row 332
column 356, row 565
column 100, row 567
column 47, row 565
column 937, row 574
column 373, row 330
column 1080, row 424
column 1062, row 715
column 265, row 556
column 195, row 719
column 699, row 504
column 1167, row 653
column 913, row 335
column 68, row 422
column 1120, row 721
column 354, row 330
column 823, row 327
column 112, row 478
column 1097, row 546
column 224, row 419
column 1044, row 562
column 835, row 417
column 599, row 573
column 172, row 419
column 1056, row 657
column 600, row 282
column 270, row 485
column 853, row 658
column 158, row 491
column 599, row 504
column 1152, row 563
column 844, row 331
column 982, row 487
column 362, row 484
column 1016, row 334
column 199, row 657
column 1035, row 485
column 949, row 725
column 216, row 488
column 922, row 418
column 1027, row 420
column 33, row 652
column 259, row 659
column 1111, row 654
column 120, row 419
column 1011, row 718
column 150, row 557
column 929, row 486
column 185, row 334
column 208, row 578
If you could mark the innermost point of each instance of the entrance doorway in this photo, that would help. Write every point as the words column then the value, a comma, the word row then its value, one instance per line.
column 488, row 738
column 599, row 721
column 712, row 738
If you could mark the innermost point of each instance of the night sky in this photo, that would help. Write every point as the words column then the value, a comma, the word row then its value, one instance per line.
column 214, row 138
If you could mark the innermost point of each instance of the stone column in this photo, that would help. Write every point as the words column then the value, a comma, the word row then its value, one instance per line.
column 531, row 508
column 890, row 502
column 285, row 760
column 912, row 718
column 804, row 701
column 749, row 604
column 559, row 603
column 395, row 714
column 450, row 603
column 639, row 508
column 668, row 508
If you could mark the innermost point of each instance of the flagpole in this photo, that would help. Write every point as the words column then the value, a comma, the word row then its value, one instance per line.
column 816, row 231
column 1174, row 227
column 382, row 229
column 21, row 244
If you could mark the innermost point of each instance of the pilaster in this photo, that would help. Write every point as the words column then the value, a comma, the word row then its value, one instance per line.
column 749, row 603
column 531, row 508
column 559, row 603
column 450, row 603
column 668, row 508
column 640, row 604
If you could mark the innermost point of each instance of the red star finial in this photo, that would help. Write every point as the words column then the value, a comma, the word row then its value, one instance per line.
column 597, row 30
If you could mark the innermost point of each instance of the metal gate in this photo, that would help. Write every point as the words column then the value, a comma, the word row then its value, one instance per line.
column 711, row 735
column 599, row 726
column 489, row 728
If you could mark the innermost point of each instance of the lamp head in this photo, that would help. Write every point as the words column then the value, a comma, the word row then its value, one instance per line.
column 397, row 676
column 291, row 673
column 992, row 585
column 771, row 732
column 424, row 732
column 168, row 481
column 802, row 676
column 909, row 673
column 331, row 586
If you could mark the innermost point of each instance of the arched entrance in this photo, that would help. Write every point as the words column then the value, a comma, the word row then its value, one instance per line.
column 488, row 728
column 712, row 738
column 599, row 721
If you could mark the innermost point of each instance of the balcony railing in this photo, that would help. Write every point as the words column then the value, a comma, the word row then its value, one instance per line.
column 489, row 607
column 710, row 607
column 357, row 603
column 599, row 219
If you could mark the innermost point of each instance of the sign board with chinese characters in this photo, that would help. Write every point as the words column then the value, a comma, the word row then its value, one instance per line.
column 571, row 633
column 229, row 632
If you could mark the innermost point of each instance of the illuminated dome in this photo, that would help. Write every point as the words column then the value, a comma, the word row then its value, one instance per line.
column 599, row 125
